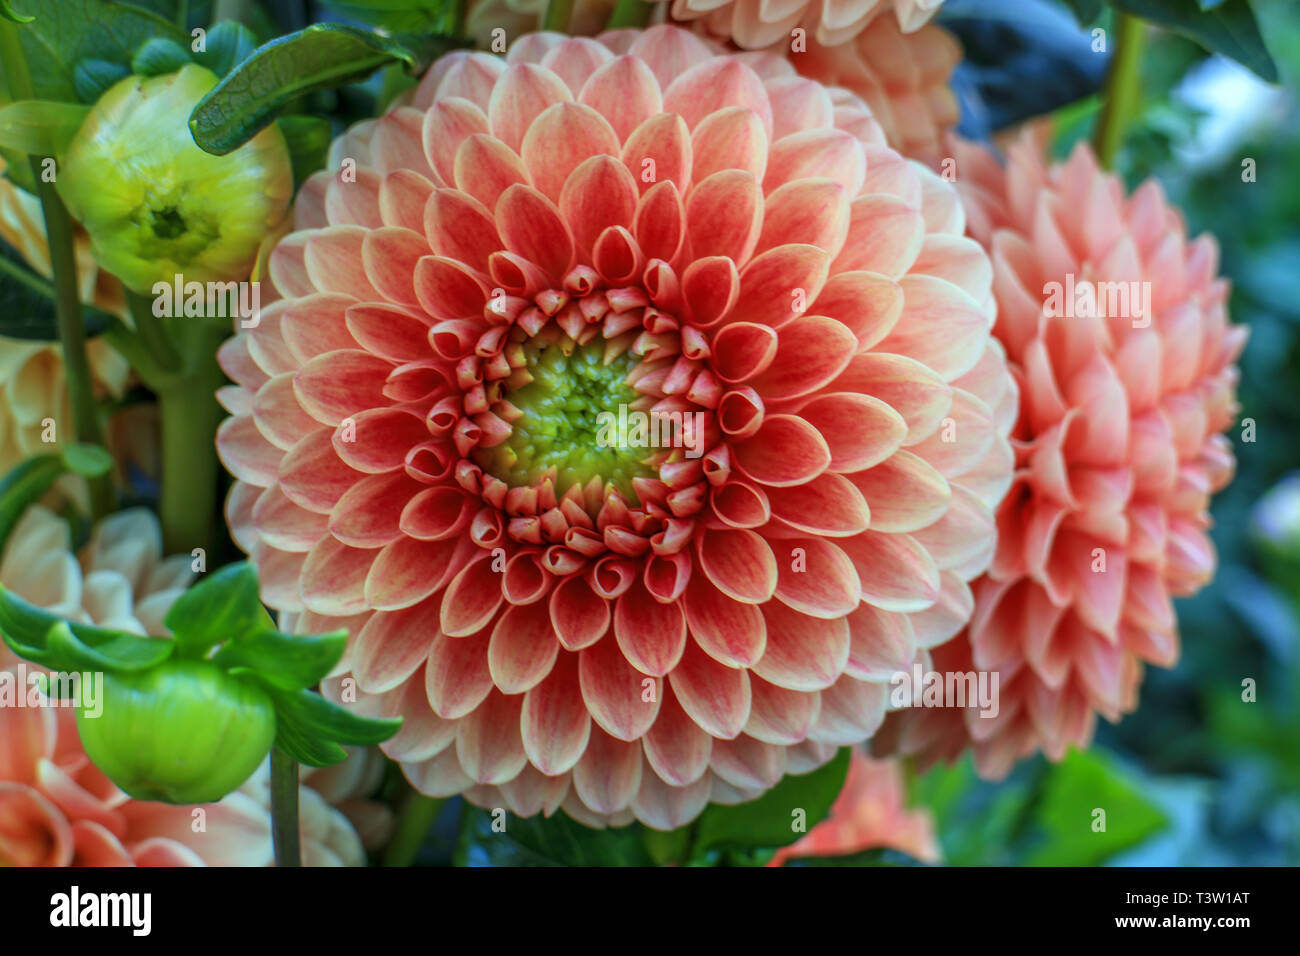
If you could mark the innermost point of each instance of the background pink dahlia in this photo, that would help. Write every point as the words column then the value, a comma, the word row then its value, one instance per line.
column 624, row 632
column 1119, row 446
column 753, row 24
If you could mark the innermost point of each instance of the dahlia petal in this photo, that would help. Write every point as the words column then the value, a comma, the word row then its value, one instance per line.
column 519, row 97
column 732, row 632
column 732, row 138
column 829, row 505
column 523, row 648
column 489, row 745
column 786, row 450
column 579, row 616
column 392, row 645
column 811, row 351
column 608, row 776
column 818, row 154
column 334, row 578
column 724, row 214
column 598, row 194
column 860, row 431
column 715, row 696
column 713, row 85
column 740, row 565
column 626, row 92
column 335, row 385
column 881, row 643
column 560, row 140
column 658, row 150
column 774, row 283
column 780, row 716
column 456, row 676
column 472, row 598
column 803, row 653
column 334, row 261
column 897, row 574
column 531, row 225
column 651, row 634
column 676, row 747
column 555, row 724
column 851, row 711
column 868, row 304
column 400, row 575
column 622, row 700
column 246, row 453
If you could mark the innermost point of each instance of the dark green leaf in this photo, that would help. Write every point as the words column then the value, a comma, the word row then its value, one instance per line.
column 160, row 56
column 23, row 486
column 401, row 16
column 323, row 720
column 299, row 744
column 228, row 44
column 287, row 660
column 86, row 460
column 221, row 607
column 27, row 629
column 308, row 139
column 768, row 821
column 92, row 78
column 65, row 32
column 122, row 652
column 322, row 56
column 1229, row 28
column 26, row 299
column 1085, row 11
column 40, row 127
column 554, row 841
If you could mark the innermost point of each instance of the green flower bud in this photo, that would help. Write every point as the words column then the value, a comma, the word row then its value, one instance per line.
column 154, row 204
column 183, row 732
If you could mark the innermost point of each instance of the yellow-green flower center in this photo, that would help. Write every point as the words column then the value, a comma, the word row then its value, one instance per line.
column 570, row 411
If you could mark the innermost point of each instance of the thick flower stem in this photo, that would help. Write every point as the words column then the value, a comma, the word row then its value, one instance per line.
column 630, row 13
column 86, row 426
column 284, row 809
column 190, row 416
column 557, row 15
column 413, row 822
column 1122, row 89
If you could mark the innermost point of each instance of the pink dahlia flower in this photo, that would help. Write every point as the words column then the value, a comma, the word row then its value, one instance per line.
column 870, row 813
column 904, row 77
column 624, row 628
column 1118, row 449
column 753, row 24
column 57, row 808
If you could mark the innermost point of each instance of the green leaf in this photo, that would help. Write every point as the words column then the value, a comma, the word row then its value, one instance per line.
column 324, row 720
column 40, row 127
column 302, row 747
column 228, row 44
column 767, row 821
column 27, row 630
column 322, row 56
column 286, row 660
column 401, row 16
column 1065, row 813
column 1229, row 28
column 26, row 299
column 553, row 841
column 1085, row 12
column 224, row 605
column 122, row 652
column 22, row 486
column 86, row 460
column 159, row 56
column 65, row 32
column 7, row 11
column 308, row 139
column 92, row 78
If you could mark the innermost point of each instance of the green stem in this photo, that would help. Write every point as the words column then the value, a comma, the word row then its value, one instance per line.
column 236, row 10
column 150, row 331
column 190, row 415
column 183, row 15
column 413, row 822
column 284, row 809
column 630, row 13
column 557, row 15
column 86, row 426
column 1122, row 89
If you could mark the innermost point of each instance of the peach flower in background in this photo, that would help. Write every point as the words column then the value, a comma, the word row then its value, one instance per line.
column 753, row 24
column 518, row 17
column 1118, row 447
column 58, row 809
column 904, row 77
column 870, row 813
column 627, row 633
